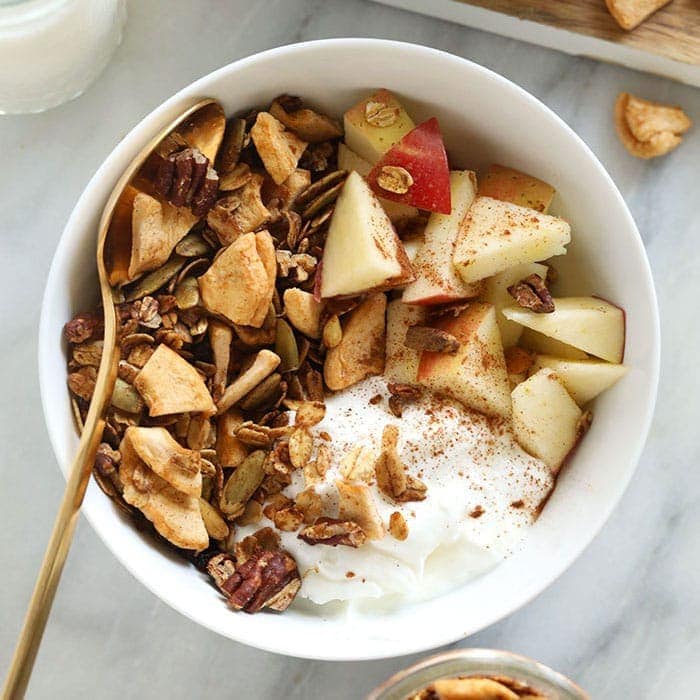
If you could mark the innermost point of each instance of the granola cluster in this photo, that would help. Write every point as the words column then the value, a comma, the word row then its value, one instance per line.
column 227, row 354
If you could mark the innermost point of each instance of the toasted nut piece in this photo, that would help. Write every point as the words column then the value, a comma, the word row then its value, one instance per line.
column 215, row 524
column 157, row 449
column 279, row 149
column 156, row 228
column 265, row 364
column 532, row 293
column 240, row 283
column 305, row 123
column 240, row 212
column 358, row 464
column 170, row 384
column 242, row 484
column 174, row 514
column 220, row 338
column 472, row 689
column 631, row 13
column 648, row 129
column 88, row 354
column 82, row 382
column 356, row 503
column 303, row 311
column 360, row 352
column 301, row 445
column 332, row 332
column 230, row 451
column 310, row 504
column 398, row 528
column 394, row 178
column 332, row 532
column 308, row 413
column 431, row 339
column 288, row 519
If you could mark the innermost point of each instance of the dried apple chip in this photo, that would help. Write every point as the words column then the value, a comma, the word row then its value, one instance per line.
column 170, row 384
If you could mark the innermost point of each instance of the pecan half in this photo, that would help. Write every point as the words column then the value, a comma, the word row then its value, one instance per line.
column 184, row 178
column 431, row 339
column 82, row 327
column 532, row 293
column 333, row 532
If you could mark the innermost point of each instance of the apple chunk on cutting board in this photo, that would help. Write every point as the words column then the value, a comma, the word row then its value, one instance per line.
column 510, row 185
column 497, row 235
column 436, row 280
column 375, row 124
column 362, row 250
column 546, row 420
column 583, row 379
column 588, row 323
column 476, row 374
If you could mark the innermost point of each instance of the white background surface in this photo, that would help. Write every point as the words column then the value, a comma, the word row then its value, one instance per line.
column 623, row 621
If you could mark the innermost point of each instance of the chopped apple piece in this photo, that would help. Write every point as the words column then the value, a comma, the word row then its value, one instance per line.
column 360, row 352
column 583, row 379
column 241, row 281
column 436, row 280
column 590, row 324
column 303, row 311
column 157, row 448
column 375, row 124
column 476, row 375
column 496, row 293
column 401, row 361
column 497, row 235
column 278, row 148
column 546, row 420
column 415, row 170
column 544, row 345
column 511, row 185
column 170, row 384
column 349, row 160
column 362, row 250
column 156, row 228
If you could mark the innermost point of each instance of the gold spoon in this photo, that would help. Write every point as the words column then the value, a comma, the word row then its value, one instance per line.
column 201, row 125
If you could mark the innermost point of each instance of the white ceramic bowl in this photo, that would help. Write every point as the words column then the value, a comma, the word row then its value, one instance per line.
column 484, row 118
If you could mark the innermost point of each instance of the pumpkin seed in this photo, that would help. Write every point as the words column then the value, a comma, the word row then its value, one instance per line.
column 153, row 281
column 242, row 484
column 232, row 145
column 187, row 293
column 313, row 190
column 126, row 398
column 192, row 246
column 327, row 197
column 286, row 347
column 265, row 393
column 216, row 526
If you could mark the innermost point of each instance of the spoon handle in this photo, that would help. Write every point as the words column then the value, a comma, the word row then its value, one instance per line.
column 64, row 526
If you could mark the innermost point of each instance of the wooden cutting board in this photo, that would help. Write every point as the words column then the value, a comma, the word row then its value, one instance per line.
column 668, row 43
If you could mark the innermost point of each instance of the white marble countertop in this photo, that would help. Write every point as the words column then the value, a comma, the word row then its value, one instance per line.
column 623, row 621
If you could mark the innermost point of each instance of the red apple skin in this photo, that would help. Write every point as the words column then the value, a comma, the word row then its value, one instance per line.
column 422, row 153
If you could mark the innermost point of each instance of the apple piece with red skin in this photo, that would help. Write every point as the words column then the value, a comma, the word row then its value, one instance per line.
column 436, row 281
column 510, row 185
column 590, row 324
column 476, row 374
column 546, row 420
column 370, row 141
column 421, row 153
column 362, row 252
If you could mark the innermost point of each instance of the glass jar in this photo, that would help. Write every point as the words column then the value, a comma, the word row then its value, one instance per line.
column 478, row 662
column 51, row 50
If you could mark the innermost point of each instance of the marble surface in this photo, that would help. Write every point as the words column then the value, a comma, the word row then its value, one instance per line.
column 623, row 621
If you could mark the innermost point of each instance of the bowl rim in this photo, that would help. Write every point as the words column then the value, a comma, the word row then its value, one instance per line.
column 139, row 133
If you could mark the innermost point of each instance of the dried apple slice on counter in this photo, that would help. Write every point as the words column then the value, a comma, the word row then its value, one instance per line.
column 588, row 323
column 375, row 124
column 510, row 185
column 497, row 235
column 436, row 280
column 583, row 379
column 415, row 170
column 476, row 374
column 546, row 420
column 496, row 293
column 362, row 250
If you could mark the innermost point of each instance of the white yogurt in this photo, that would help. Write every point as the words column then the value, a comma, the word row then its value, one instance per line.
column 51, row 50
column 470, row 465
